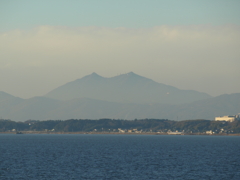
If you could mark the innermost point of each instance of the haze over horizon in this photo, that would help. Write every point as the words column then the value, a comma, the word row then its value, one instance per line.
column 188, row 44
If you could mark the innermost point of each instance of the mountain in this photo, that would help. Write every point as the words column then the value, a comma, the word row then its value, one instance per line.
column 8, row 102
column 226, row 104
column 43, row 108
column 35, row 108
column 5, row 97
column 125, row 88
column 127, row 96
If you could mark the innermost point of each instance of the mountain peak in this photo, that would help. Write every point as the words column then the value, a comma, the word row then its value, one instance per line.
column 93, row 75
column 131, row 73
column 129, row 87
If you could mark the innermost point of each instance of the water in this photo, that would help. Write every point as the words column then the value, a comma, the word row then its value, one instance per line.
column 65, row 157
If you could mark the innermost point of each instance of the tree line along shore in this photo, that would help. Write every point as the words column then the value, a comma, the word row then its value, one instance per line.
column 103, row 126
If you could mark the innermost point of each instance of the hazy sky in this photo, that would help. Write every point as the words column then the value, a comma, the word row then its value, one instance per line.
column 189, row 44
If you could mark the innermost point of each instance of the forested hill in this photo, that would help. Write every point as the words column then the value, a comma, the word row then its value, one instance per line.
column 111, row 125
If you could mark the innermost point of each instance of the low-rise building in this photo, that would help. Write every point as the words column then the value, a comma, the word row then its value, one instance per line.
column 175, row 133
column 209, row 132
column 121, row 130
column 227, row 118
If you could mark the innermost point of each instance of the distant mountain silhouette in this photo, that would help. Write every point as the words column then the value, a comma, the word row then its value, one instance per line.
column 125, row 88
column 5, row 97
column 7, row 103
column 127, row 96
column 43, row 108
column 226, row 104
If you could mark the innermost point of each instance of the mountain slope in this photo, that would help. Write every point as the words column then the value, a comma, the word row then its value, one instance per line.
column 8, row 102
column 226, row 104
column 5, row 97
column 126, row 88
column 42, row 108
column 36, row 108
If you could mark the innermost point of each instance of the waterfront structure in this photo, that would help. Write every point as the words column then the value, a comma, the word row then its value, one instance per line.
column 209, row 132
column 175, row 133
column 121, row 130
column 227, row 118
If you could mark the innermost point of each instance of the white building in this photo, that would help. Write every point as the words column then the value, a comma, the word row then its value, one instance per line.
column 175, row 133
column 209, row 132
column 227, row 118
column 121, row 130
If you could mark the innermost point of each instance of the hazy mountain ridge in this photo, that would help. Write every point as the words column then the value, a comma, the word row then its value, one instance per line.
column 8, row 103
column 125, row 88
column 127, row 96
column 43, row 108
column 5, row 96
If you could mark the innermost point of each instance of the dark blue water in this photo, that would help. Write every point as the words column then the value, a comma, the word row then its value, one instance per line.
column 65, row 157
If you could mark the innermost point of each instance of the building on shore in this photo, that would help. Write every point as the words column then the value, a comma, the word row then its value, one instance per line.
column 175, row 133
column 227, row 118
column 209, row 132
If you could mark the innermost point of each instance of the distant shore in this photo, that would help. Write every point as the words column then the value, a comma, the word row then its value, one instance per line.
column 117, row 133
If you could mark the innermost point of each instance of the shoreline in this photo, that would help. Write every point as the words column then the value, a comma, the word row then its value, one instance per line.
column 117, row 133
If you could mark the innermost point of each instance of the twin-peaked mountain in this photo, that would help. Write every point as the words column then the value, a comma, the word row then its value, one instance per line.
column 127, row 96
column 126, row 88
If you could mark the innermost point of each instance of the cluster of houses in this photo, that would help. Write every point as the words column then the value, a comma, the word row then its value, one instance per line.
column 220, row 118
column 129, row 131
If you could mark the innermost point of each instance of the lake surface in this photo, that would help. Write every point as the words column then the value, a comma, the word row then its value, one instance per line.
column 84, row 156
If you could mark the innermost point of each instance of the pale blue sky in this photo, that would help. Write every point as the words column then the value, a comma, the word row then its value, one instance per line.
column 189, row 44
column 25, row 14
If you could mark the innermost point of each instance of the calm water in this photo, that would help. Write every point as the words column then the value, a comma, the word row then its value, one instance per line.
column 64, row 157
